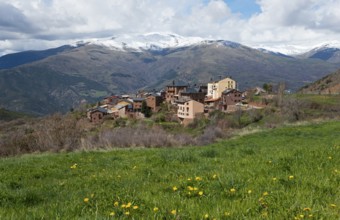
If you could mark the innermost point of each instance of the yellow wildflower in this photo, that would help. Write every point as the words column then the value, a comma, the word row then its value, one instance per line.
column 301, row 216
column 195, row 188
column 232, row 190
column 155, row 209
column 189, row 179
column 274, row 178
column 174, row 212
column 127, row 213
column 128, row 205
column 200, row 193
column 74, row 166
column 291, row 177
column 86, row 199
column 112, row 213
column 198, row 178
column 135, row 207
column 249, row 191
column 206, row 216
column 333, row 205
column 310, row 216
column 190, row 188
column 214, row 176
column 329, row 157
column 116, row 204
column 265, row 194
column 226, row 213
column 307, row 209
column 174, row 188
column 123, row 206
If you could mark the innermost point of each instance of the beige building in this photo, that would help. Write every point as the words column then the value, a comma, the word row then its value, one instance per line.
column 188, row 110
column 216, row 88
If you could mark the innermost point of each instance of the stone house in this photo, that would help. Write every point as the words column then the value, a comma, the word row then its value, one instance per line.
column 194, row 94
column 96, row 115
column 230, row 97
column 154, row 102
column 173, row 91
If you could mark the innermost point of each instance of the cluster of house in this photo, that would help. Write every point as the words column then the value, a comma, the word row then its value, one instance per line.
column 189, row 101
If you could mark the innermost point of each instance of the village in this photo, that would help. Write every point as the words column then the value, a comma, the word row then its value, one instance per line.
column 188, row 101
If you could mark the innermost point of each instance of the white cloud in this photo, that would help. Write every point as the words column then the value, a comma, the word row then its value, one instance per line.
column 45, row 23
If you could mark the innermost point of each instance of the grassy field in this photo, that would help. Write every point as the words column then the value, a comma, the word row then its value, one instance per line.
column 285, row 173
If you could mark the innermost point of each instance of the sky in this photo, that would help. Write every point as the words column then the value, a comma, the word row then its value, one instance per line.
column 272, row 24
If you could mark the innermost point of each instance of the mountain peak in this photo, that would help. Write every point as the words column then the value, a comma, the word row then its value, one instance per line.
column 154, row 41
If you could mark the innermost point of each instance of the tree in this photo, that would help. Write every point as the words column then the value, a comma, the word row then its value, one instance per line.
column 146, row 110
column 268, row 87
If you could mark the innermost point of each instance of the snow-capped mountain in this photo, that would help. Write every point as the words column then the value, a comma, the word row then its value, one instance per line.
column 150, row 41
column 329, row 52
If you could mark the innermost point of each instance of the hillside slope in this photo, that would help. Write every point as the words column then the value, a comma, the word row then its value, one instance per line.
column 329, row 84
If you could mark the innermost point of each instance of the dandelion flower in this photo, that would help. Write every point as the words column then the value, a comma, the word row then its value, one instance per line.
column 198, row 178
column 74, row 166
column 189, row 179
column 173, row 212
column 333, row 205
column 112, row 213
column 200, row 193
column 249, row 191
column 329, row 157
column 232, row 190
column 127, row 213
column 116, row 204
column 206, row 216
column 274, row 178
column 307, row 209
column 123, row 206
column 128, row 205
column 214, row 176
column 86, row 199
column 135, row 207
column 174, row 188
column 265, row 194
column 301, row 216
column 190, row 188
column 155, row 209
column 291, row 177
column 195, row 188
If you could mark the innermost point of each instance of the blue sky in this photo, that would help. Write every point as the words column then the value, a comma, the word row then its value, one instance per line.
column 271, row 24
column 245, row 7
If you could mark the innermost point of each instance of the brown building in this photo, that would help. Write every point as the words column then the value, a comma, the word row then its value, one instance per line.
column 137, row 104
column 154, row 102
column 111, row 100
column 194, row 94
column 96, row 115
column 230, row 97
column 173, row 91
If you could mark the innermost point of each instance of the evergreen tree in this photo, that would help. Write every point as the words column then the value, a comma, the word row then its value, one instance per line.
column 146, row 110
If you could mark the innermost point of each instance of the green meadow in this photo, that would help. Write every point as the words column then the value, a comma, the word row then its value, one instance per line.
column 291, row 172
